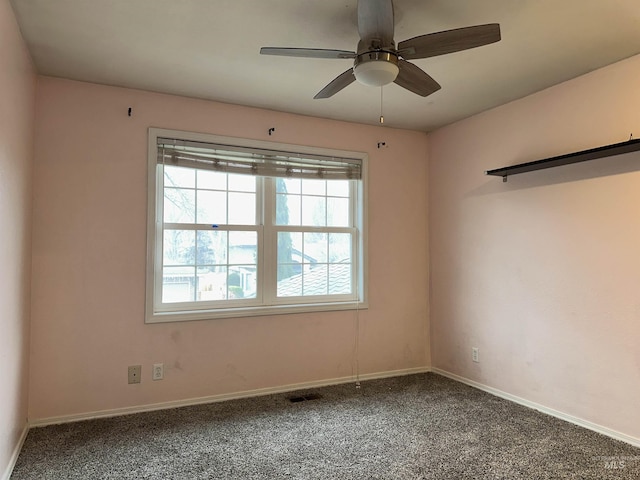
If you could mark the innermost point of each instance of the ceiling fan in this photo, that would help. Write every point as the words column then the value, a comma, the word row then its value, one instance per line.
column 378, row 62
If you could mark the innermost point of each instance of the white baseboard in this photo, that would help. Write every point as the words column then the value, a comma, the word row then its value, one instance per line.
column 14, row 455
column 41, row 422
column 315, row 384
column 536, row 406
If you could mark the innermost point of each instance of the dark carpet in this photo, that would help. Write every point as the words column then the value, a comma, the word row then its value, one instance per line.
column 415, row 427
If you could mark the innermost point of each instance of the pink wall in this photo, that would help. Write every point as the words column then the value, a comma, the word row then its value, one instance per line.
column 89, row 260
column 17, row 97
column 542, row 273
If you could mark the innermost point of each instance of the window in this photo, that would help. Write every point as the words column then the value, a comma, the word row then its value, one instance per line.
column 239, row 227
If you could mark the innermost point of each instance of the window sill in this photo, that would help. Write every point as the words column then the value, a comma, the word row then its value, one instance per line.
column 185, row 316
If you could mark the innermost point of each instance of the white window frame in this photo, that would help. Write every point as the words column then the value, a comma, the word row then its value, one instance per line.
column 155, row 312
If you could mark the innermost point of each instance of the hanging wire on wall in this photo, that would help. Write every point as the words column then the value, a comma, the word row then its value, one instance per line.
column 381, row 115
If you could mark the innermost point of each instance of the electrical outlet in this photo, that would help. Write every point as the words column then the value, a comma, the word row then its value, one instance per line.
column 135, row 372
column 158, row 371
column 475, row 354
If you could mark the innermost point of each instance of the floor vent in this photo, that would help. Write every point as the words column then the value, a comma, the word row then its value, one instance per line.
column 302, row 398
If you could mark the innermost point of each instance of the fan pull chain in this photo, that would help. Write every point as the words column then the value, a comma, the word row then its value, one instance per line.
column 381, row 115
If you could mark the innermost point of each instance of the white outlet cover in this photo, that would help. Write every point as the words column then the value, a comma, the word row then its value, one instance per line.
column 158, row 371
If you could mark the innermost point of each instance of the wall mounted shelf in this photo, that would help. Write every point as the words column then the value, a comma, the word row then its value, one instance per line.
column 567, row 159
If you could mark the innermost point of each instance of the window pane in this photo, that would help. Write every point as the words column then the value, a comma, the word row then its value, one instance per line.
column 242, row 208
column 289, row 286
column 340, row 279
column 243, row 248
column 242, row 282
column 314, row 281
column 179, row 205
column 242, row 183
column 288, row 185
column 337, row 212
column 296, row 247
column 289, row 264
column 314, row 211
column 179, row 247
column 314, row 187
column 212, row 283
column 315, row 248
column 288, row 209
column 212, row 247
column 178, row 284
column 338, row 188
column 212, row 180
column 288, row 270
column 179, row 177
column 285, row 247
column 339, row 247
column 212, row 207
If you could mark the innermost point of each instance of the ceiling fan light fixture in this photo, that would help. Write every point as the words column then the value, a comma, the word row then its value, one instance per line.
column 376, row 68
column 376, row 73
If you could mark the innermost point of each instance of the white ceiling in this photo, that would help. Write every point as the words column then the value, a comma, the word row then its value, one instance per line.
column 209, row 49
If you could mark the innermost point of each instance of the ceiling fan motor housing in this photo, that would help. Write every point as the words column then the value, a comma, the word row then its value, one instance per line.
column 376, row 68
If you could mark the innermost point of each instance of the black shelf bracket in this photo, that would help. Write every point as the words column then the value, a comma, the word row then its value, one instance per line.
column 567, row 159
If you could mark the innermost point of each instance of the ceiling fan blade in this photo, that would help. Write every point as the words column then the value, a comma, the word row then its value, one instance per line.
column 449, row 41
column 307, row 52
column 375, row 22
column 341, row 81
column 415, row 79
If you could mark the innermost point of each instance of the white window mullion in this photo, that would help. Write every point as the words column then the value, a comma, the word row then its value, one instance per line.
column 195, row 220
column 261, row 216
column 270, row 243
